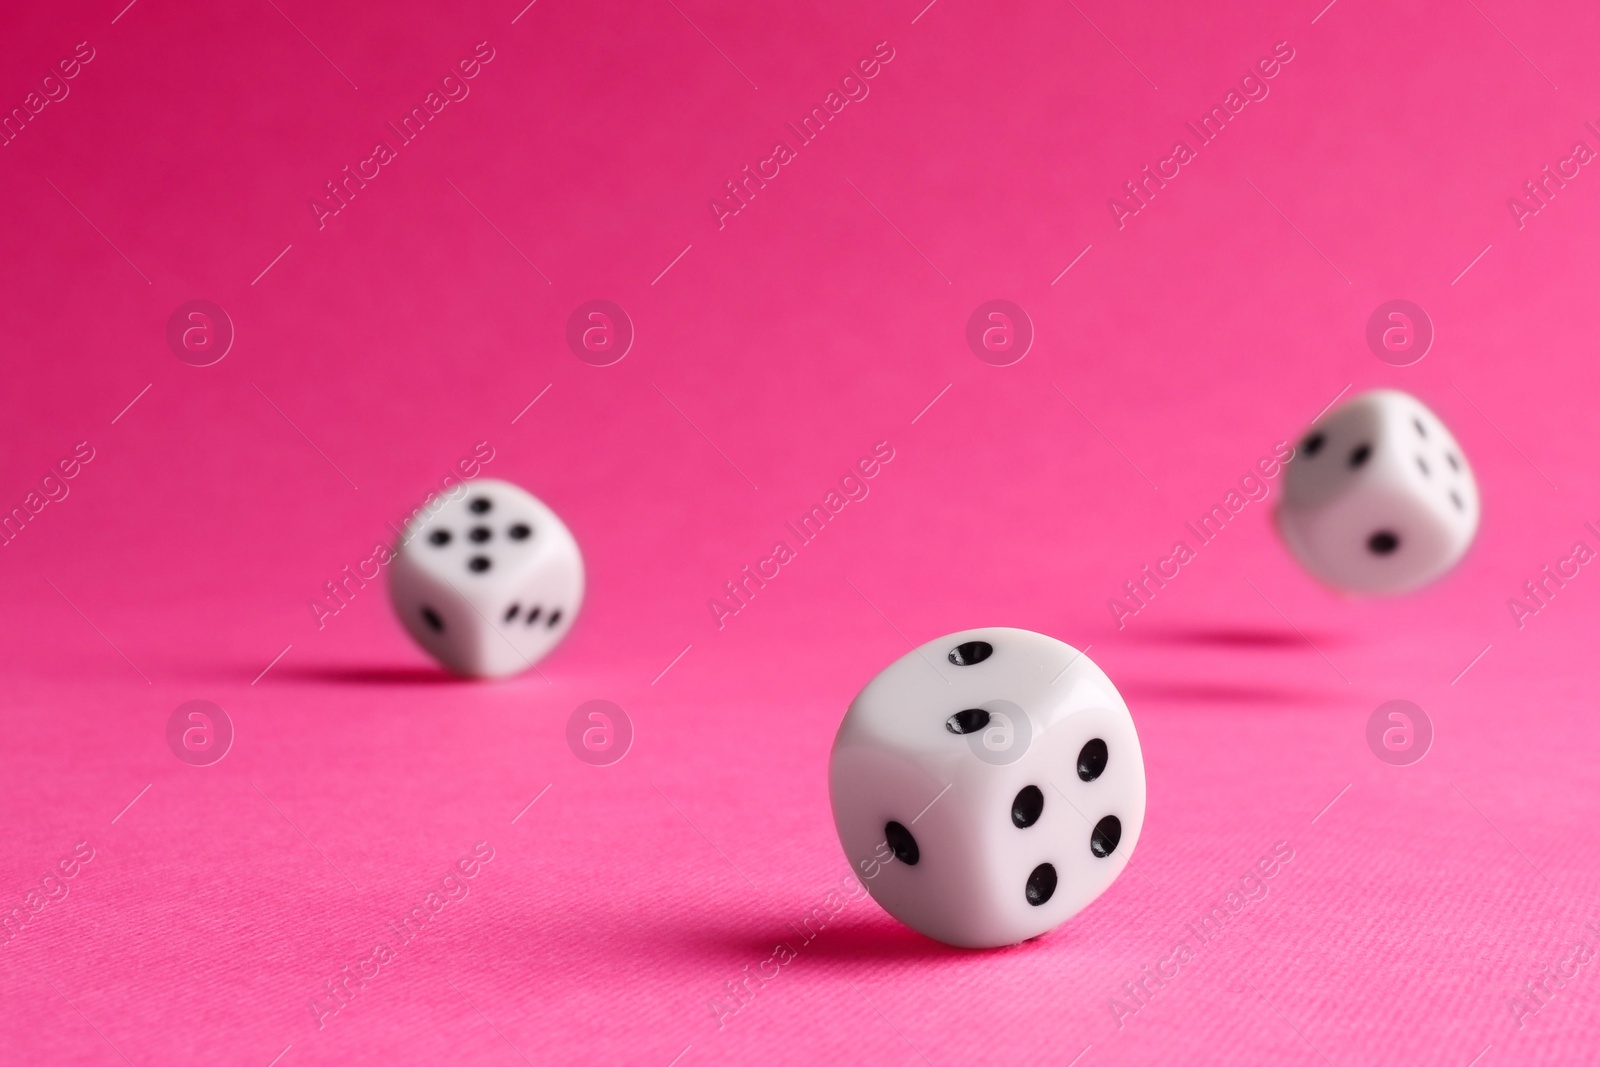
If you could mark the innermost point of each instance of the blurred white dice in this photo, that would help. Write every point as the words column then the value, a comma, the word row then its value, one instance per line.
column 987, row 786
column 1379, row 497
column 487, row 582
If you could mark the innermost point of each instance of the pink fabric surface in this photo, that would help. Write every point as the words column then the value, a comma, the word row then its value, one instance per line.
column 376, row 347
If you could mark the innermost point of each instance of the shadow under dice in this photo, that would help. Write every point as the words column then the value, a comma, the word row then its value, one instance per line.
column 488, row 582
column 988, row 786
column 1379, row 497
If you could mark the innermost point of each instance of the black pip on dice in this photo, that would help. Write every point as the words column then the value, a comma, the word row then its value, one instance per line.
column 489, row 582
column 987, row 786
column 1379, row 497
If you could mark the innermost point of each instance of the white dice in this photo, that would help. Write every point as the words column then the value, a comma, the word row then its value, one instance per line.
column 1379, row 497
column 487, row 581
column 987, row 786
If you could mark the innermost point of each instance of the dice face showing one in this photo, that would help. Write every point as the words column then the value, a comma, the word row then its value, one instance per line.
column 1379, row 497
column 987, row 786
column 487, row 582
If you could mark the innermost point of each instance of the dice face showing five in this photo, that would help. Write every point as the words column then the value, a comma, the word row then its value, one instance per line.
column 1379, row 497
column 488, row 582
column 987, row 786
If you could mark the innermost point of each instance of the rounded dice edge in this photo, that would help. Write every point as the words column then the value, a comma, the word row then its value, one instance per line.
column 488, row 647
column 1054, row 682
column 1335, row 559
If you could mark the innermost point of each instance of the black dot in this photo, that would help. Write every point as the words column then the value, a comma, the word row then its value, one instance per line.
column 969, row 652
column 439, row 537
column 1360, row 454
column 1041, row 884
column 1313, row 444
column 511, row 612
column 431, row 617
column 478, row 564
column 479, row 505
column 1092, row 759
column 533, row 614
column 902, row 844
column 967, row 722
column 555, row 617
column 1422, row 431
column 1455, row 498
column 1025, row 810
column 1107, row 832
column 1455, row 464
column 519, row 532
column 1423, row 465
column 1382, row 543
column 479, row 534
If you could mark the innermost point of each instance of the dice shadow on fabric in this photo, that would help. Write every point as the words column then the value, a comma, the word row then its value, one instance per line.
column 1241, row 637
column 403, row 674
column 1203, row 692
column 854, row 938
column 850, row 938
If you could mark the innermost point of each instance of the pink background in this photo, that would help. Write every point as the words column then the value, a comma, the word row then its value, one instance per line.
column 820, row 320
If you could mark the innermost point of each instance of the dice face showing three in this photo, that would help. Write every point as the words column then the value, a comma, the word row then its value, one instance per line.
column 488, row 582
column 1379, row 497
column 987, row 786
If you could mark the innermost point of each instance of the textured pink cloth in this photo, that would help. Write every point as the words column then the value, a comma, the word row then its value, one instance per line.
column 378, row 344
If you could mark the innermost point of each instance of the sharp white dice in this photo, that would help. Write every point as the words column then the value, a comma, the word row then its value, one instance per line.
column 1379, row 497
column 487, row 582
column 987, row 786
